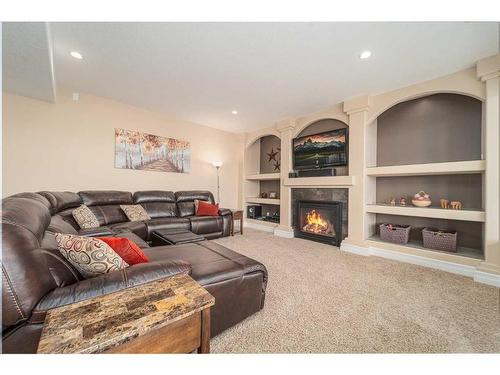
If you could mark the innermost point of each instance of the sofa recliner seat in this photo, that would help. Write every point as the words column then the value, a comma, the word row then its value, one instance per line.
column 36, row 277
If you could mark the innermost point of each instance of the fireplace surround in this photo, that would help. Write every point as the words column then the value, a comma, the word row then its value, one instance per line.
column 319, row 221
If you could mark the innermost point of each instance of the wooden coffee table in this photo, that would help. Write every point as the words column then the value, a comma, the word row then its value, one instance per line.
column 171, row 315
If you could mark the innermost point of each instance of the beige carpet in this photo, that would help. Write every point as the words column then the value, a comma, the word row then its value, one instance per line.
column 321, row 300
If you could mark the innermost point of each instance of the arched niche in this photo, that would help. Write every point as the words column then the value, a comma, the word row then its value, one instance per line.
column 304, row 124
column 324, row 125
column 258, row 135
column 441, row 127
column 263, row 154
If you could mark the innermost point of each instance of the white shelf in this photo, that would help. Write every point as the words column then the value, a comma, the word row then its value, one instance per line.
column 466, row 255
column 429, row 169
column 262, row 222
column 320, row 181
column 432, row 212
column 263, row 176
column 263, row 200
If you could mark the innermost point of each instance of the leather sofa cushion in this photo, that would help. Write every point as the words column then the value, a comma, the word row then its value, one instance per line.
column 105, row 197
column 160, row 209
column 34, row 196
column 191, row 195
column 186, row 209
column 59, row 225
column 67, row 216
column 61, row 200
column 167, row 223
column 136, row 227
column 210, row 262
column 206, row 224
column 109, row 214
column 147, row 196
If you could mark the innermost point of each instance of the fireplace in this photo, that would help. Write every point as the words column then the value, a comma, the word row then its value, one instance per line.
column 319, row 221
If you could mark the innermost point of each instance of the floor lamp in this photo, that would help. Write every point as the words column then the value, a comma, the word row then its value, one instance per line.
column 217, row 165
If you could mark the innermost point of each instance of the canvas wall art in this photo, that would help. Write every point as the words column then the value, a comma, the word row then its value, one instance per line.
column 136, row 150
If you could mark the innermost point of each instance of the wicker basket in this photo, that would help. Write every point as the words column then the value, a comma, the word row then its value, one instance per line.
column 439, row 240
column 399, row 234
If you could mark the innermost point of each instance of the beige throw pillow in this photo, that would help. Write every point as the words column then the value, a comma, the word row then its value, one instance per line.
column 90, row 256
column 135, row 212
column 85, row 218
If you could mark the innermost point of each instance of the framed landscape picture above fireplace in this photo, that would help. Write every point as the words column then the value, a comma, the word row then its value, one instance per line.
column 320, row 150
column 147, row 152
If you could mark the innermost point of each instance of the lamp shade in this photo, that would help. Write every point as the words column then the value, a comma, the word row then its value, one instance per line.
column 217, row 164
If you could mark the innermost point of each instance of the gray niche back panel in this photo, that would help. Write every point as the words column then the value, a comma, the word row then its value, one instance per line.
column 432, row 129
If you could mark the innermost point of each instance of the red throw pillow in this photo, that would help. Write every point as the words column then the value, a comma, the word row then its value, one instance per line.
column 207, row 209
column 126, row 249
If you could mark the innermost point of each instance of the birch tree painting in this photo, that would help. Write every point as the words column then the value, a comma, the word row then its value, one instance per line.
column 135, row 150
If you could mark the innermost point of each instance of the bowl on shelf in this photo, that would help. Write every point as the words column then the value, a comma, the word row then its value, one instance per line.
column 421, row 203
column 421, row 199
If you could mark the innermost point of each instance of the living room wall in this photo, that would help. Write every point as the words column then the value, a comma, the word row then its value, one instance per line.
column 70, row 145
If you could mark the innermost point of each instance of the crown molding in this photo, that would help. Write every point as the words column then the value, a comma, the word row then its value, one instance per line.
column 359, row 104
column 488, row 68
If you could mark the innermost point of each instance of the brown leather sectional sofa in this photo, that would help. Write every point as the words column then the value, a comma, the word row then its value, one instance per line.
column 35, row 277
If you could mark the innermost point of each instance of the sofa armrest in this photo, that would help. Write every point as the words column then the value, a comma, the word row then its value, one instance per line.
column 129, row 277
column 225, row 212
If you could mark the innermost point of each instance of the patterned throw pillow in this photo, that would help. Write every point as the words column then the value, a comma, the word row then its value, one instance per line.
column 135, row 212
column 85, row 218
column 90, row 256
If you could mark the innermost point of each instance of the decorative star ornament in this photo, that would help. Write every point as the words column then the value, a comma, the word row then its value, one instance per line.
column 272, row 154
column 277, row 166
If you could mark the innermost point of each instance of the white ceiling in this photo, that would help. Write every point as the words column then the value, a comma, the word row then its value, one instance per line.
column 200, row 72
column 27, row 64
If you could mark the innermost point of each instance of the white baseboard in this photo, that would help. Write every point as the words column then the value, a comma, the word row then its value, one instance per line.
column 459, row 269
column 358, row 250
column 283, row 233
column 264, row 228
column 487, row 278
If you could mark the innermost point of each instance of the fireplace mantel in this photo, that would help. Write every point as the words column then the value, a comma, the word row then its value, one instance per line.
column 335, row 181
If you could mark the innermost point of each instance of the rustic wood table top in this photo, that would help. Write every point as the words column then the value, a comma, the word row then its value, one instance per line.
column 98, row 324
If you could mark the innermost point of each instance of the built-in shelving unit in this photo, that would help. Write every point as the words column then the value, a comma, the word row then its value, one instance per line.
column 263, row 177
column 431, row 212
column 464, row 255
column 260, row 177
column 269, row 224
column 424, row 135
column 429, row 169
column 263, row 200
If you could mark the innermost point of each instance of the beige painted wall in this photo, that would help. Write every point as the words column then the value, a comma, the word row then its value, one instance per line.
column 70, row 146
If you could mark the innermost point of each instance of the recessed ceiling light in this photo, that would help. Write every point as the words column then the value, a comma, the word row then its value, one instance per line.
column 234, row 112
column 365, row 55
column 76, row 55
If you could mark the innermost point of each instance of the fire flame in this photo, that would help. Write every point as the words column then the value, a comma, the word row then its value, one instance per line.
column 315, row 222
